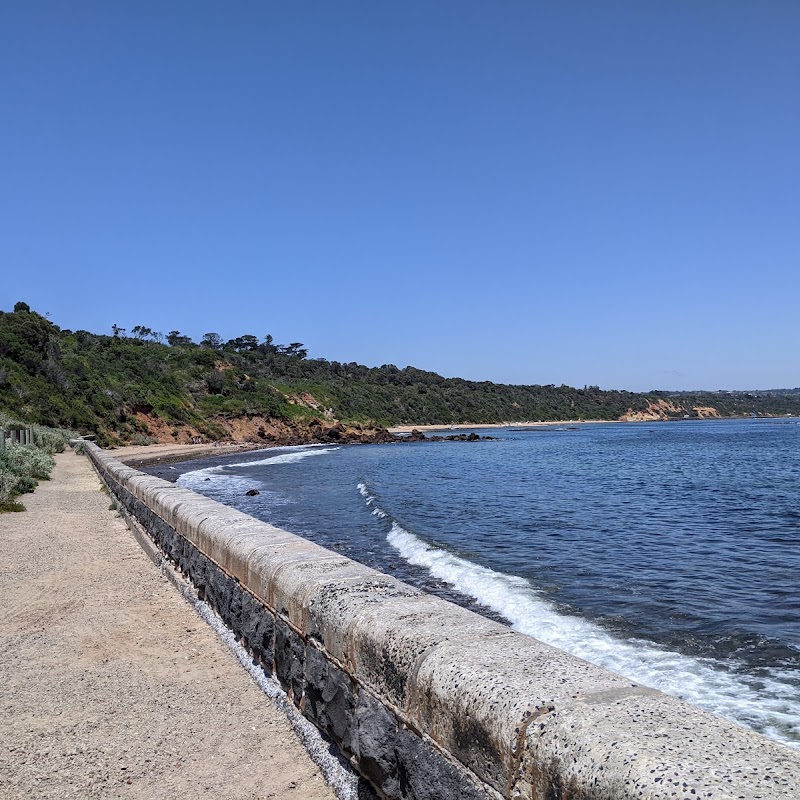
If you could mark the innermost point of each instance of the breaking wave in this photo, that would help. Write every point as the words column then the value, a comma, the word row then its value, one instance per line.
column 765, row 703
column 284, row 455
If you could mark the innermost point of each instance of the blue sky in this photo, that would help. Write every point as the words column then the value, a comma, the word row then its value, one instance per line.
column 528, row 192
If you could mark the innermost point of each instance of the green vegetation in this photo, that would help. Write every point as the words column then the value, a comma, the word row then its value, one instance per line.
column 23, row 466
column 146, row 386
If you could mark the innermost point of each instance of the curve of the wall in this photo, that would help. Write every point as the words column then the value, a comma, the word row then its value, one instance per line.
column 430, row 700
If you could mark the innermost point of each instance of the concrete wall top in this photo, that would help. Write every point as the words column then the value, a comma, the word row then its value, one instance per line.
column 519, row 714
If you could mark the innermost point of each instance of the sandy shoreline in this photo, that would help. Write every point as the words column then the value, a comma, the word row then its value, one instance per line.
column 146, row 455
column 151, row 454
column 143, row 455
column 468, row 426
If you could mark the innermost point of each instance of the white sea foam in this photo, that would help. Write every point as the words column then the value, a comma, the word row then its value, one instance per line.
column 291, row 455
column 197, row 479
column 194, row 479
column 767, row 704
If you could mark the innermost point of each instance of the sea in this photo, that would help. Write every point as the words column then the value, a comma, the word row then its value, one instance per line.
column 667, row 552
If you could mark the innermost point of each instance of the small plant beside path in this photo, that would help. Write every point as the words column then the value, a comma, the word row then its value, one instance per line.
column 23, row 466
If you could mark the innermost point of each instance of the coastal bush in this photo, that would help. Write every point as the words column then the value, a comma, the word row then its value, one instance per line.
column 143, row 440
column 25, row 484
column 51, row 440
column 27, row 461
column 23, row 466
column 8, row 484
column 12, row 485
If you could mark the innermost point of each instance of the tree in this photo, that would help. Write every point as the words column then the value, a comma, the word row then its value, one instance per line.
column 296, row 349
column 248, row 342
column 20, row 306
column 177, row 339
column 268, row 345
column 117, row 331
column 211, row 341
column 215, row 381
column 141, row 332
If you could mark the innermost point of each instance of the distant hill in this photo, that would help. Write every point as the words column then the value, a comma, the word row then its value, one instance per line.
column 142, row 385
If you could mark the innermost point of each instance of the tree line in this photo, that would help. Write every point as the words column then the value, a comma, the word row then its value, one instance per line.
column 111, row 385
column 246, row 343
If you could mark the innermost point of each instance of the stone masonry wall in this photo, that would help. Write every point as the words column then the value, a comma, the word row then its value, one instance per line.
column 430, row 701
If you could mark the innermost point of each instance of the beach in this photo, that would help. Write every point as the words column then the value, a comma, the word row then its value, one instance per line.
column 139, row 455
column 467, row 426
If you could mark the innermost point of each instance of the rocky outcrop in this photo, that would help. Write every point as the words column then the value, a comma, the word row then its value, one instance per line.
column 417, row 435
column 333, row 431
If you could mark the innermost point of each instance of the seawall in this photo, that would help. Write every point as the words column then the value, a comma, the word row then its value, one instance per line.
column 430, row 700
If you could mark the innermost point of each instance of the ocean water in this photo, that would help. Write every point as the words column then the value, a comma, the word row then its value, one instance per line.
column 666, row 552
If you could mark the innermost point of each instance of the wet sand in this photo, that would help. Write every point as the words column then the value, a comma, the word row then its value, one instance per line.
column 140, row 455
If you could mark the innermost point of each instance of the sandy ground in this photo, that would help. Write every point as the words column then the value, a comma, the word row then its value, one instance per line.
column 111, row 685
column 470, row 426
column 139, row 455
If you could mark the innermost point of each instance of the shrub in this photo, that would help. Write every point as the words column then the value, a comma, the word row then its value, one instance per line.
column 27, row 460
column 23, row 466
column 25, row 484
column 8, row 484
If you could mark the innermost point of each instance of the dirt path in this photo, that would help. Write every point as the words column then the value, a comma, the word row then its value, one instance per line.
column 110, row 684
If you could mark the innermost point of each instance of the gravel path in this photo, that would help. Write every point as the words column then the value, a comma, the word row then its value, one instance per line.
column 110, row 684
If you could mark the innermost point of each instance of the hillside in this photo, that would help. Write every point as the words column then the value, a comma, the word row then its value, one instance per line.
column 146, row 386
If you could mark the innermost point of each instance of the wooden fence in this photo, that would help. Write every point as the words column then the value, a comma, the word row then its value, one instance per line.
column 15, row 436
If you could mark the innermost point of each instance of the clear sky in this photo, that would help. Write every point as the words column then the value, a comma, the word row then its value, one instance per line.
column 597, row 192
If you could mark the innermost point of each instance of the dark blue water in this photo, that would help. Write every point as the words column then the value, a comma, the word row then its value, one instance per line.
column 668, row 552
